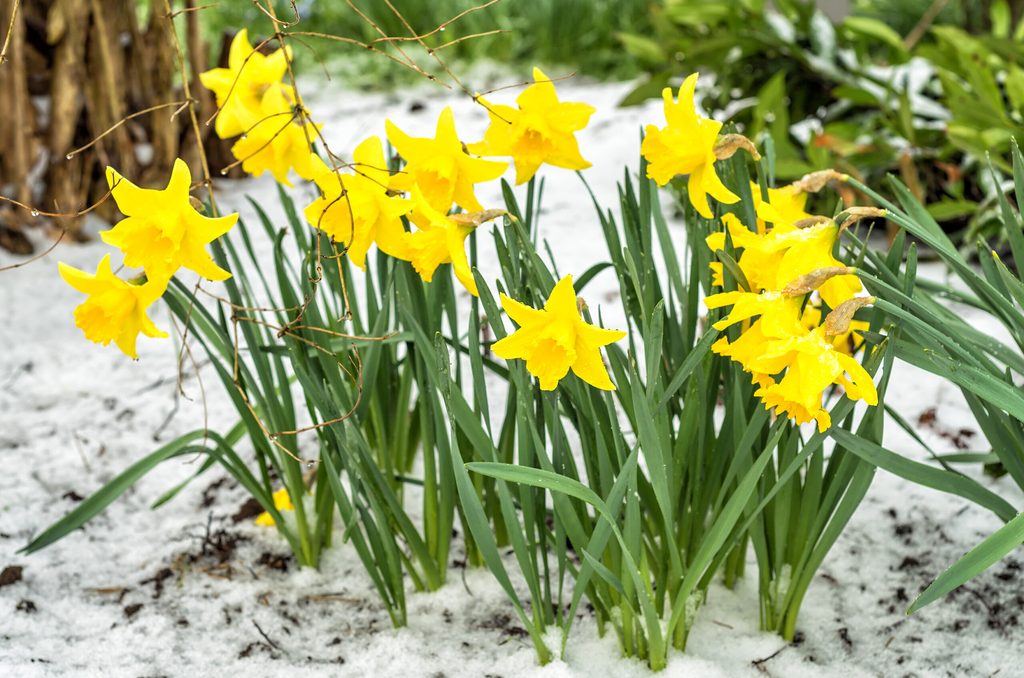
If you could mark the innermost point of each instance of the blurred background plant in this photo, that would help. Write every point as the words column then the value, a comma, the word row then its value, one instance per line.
column 580, row 34
column 921, row 89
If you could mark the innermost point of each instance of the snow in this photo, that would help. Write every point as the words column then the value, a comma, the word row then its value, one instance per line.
column 186, row 590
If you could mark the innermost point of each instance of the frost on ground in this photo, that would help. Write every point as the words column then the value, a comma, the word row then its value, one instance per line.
column 196, row 589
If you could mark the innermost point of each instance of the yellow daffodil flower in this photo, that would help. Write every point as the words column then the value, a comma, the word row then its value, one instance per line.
column 790, row 354
column 277, row 142
column 355, row 208
column 282, row 502
column 785, row 206
column 779, row 343
column 805, row 250
column 715, row 242
column 440, row 167
column 757, row 260
column 441, row 239
column 115, row 310
column 686, row 146
column 555, row 339
column 780, row 314
column 772, row 260
column 240, row 88
column 761, row 255
column 745, row 350
column 541, row 130
column 812, row 364
column 162, row 231
column 717, row 273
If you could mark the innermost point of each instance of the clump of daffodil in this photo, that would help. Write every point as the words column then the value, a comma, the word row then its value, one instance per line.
column 541, row 130
column 440, row 238
column 555, row 339
column 686, row 146
column 279, row 141
column 262, row 111
column 440, row 166
column 241, row 88
column 356, row 209
column 282, row 502
column 790, row 272
column 162, row 231
column 779, row 343
column 115, row 310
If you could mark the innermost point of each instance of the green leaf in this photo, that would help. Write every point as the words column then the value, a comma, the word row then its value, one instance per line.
column 974, row 562
column 536, row 477
column 946, row 210
column 588, row 275
column 923, row 474
column 1015, row 86
column 103, row 497
column 643, row 48
column 875, row 30
column 999, row 13
column 688, row 365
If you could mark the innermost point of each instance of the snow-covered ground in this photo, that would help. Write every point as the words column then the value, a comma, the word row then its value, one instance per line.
column 187, row 590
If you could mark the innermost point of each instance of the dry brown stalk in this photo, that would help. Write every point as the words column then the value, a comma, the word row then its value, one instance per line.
column 10, row 31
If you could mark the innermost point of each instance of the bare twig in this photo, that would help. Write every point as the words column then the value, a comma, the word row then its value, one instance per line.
column 36, row 212
column 10, row 31
column 266, row 637
column 42, row 254
column 926, row 21
column 180, row 104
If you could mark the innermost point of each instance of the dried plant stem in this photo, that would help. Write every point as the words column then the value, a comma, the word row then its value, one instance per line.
column 10, row 31
column 180, row 104
column 38, row 256
column 196, row 131
column 15, row 80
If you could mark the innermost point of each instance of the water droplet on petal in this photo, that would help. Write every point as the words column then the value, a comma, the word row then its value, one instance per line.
column 245, row 136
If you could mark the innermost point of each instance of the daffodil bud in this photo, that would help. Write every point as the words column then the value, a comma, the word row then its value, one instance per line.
column 728, row 144
column 809, row 282
column 475, row 219
column 838, row 321
column 852, row 215
column 815, row 181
